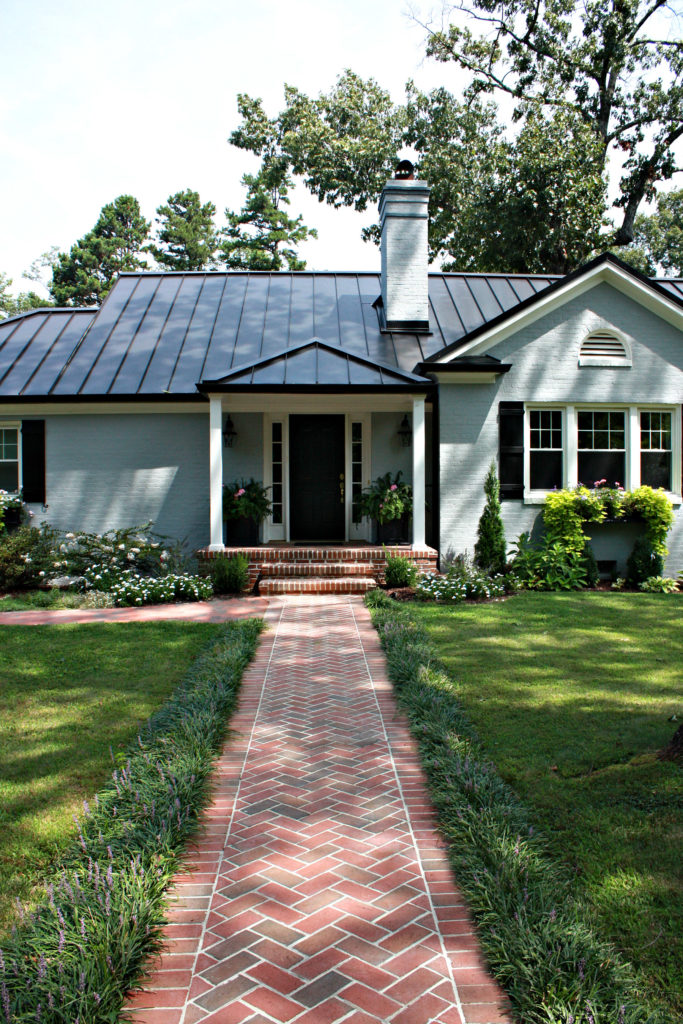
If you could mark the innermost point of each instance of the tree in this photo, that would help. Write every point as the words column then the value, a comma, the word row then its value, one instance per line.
column 10, row 305
column 495, row 205
column 489, row 550
column 602, row 61
column 660, row 235
column 186, row 237
column 262, row 236
column 84, row 275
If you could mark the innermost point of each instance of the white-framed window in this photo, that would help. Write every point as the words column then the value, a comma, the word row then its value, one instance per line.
column 625, row 445
column 10, row 457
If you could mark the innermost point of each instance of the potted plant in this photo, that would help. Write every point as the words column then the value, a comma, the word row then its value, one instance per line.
column 390, row 503
column 245, row 506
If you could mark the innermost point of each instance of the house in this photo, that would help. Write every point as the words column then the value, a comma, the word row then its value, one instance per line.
column 316, row 383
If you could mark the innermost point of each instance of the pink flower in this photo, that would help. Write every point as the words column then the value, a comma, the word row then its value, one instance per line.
column 393, row 487
column 238, row 494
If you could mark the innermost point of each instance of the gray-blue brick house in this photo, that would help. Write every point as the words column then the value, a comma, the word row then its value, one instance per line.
column 115, row 416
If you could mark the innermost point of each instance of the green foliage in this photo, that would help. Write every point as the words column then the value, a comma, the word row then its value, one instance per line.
column 660, row 235
column 605, row 65
column 400, row 571
column 643, row 562
column 10, row 305
column 101, row 916
column 230, row 575
column 551, row 565
column 387, row 499
column 246, row 499
column 128, row 588
column 186, row 237
column 262, row 236
column 27, row 557
column 84, row 275
column 659, row 585
column 566, row 511
column 590, row 566
column 489, row 551
column 535, row 936
column 655, row 509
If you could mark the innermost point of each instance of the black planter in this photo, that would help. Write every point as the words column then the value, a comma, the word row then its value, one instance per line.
column 396, row 531
column 241, row 533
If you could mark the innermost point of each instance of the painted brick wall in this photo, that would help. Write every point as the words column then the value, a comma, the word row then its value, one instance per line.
column 245, row 458
column 388, row 454
column 545, row 369
column 107, row 471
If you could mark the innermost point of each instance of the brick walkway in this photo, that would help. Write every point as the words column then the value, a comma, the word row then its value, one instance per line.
column 319, row 890
column 197, row 611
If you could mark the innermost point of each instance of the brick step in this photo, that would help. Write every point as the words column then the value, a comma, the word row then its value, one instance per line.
column 314, row 568
column 316, row 585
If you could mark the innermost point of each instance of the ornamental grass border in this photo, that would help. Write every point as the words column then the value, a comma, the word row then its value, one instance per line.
column 77, row 955
column 533, row 930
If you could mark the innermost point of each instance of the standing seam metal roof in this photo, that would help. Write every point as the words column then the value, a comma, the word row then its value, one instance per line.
column 161, row 333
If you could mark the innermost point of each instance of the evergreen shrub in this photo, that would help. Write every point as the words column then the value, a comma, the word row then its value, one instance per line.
column 230, row 575
column 489, row 550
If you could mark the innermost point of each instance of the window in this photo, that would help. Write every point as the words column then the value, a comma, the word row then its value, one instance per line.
column 356, row 470
column 278, row 464
column 9, row 458
column 655, row 449
column 569, row 445
column 545, row 449
column 601, row 447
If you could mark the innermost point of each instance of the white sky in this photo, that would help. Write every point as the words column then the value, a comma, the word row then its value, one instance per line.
column 139, row 96
column 100, row 99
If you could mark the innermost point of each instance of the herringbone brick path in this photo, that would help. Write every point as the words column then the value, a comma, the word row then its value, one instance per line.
column 319, row 891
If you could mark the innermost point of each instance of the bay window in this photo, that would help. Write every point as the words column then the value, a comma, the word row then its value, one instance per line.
column 601, row 444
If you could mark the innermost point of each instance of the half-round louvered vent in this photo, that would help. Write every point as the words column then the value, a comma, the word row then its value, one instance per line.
column 604, row 348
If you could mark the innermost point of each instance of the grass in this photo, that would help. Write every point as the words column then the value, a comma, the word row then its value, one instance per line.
column 69, row 694
column 571, row 696
column 27, row 600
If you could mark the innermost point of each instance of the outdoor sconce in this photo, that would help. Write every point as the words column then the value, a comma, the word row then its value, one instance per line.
column 405, row 432
column 229, row 433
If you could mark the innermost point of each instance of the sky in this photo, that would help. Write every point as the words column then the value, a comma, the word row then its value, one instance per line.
column 139, row 97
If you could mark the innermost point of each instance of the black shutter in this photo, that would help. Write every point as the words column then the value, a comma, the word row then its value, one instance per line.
column 511, row 449
column 33, row 460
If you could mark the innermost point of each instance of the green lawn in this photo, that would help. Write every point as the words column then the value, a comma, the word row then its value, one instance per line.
column 30, row 599
column 571, row 695
column 68, row 696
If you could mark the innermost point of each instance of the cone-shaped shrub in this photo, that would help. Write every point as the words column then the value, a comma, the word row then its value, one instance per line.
column 489, row 551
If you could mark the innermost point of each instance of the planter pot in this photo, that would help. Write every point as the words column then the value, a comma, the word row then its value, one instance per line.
column 12, row 518
column 396, row 531
column 241, row 533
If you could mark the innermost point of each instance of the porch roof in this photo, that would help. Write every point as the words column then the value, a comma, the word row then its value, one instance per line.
column 314, row 364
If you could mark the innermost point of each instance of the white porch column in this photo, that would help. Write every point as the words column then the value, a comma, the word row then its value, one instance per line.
column 418, row 472
column 216, row 472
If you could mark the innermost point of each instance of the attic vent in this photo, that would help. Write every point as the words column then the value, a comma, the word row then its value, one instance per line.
column 604, row 348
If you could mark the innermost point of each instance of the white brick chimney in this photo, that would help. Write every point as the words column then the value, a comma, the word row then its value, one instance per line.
column 403, row 212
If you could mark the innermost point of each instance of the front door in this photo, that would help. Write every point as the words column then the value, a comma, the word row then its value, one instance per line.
column 316, row 478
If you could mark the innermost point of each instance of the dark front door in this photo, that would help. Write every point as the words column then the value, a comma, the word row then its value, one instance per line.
column 316, row 477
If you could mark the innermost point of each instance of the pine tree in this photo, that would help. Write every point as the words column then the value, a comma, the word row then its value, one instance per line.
column 262, row 236
column 489, row 551
column 186, row 238
column 84, row 275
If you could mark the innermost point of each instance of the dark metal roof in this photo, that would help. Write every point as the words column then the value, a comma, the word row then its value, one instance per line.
column 159, row 333
column 315, row 364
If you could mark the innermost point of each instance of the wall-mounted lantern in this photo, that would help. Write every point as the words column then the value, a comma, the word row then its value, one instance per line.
column 229, row 433
column 405, row 432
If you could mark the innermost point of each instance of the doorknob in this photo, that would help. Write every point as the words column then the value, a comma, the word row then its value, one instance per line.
column 341, row 488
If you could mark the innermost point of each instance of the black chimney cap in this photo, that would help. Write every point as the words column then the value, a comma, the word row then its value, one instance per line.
column 405, row 170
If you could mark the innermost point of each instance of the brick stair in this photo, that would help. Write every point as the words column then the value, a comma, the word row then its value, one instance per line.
column 309, row 569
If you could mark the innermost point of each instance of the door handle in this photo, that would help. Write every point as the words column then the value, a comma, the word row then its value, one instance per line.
column 341, row 488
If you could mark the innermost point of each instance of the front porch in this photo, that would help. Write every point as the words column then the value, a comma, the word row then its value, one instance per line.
column 281, row 568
